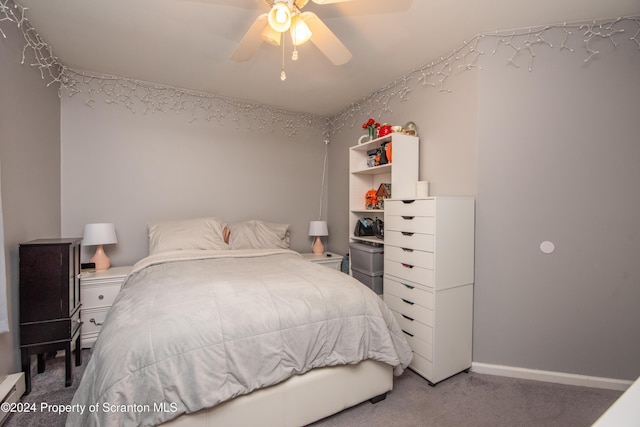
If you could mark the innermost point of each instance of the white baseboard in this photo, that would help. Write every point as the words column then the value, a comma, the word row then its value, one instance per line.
column 550, row 376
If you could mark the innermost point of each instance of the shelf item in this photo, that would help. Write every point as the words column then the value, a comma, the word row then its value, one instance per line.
column 367, row 264
column 49, row 302
column 99, row 290
column 367, row 258
column 373, row 281
column 401, row 174
column 428, row 280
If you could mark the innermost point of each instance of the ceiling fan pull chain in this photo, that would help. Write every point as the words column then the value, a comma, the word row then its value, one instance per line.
column 294, row 55
column 283, row 75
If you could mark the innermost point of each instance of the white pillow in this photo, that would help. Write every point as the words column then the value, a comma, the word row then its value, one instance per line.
column 198, row 233
column 256, row 234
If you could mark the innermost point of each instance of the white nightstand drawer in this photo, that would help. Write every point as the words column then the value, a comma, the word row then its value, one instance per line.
column 92, row 323
column 327, row 259
column 409, row 292
column 422, row 207
column 409, row 240
column 415, row 257
column 98, row 290
column 99, row 296
column 410, row 223
column 93, row 319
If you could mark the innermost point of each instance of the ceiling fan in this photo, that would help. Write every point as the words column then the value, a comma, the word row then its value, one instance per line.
column 287, row 15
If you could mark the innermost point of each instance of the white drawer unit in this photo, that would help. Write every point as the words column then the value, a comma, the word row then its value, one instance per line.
column 98, row 290
column 410, row 256
column 428, row 280
column 409, row 224
column 409, row 240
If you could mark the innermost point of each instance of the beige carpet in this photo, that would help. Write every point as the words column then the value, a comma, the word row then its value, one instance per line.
column 463, row 400
column 479, row 400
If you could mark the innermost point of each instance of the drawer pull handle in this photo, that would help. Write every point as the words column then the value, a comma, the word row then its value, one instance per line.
column 407, row 217
column 406, row 233
column 406, row 202
column 407, row 333
column 407, row 301
column 92, row 320
column 407, row 317
column 408, row 286
column 407, row 265
column 407, row 250
column 100, row 296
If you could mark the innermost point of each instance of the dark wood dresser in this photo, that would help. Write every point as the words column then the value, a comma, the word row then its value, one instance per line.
column 49, row 302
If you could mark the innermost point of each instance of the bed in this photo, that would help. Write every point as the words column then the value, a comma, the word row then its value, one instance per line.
column 206, row 332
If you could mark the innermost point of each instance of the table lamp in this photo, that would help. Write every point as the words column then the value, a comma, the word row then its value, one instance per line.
column 98, row 235
column 317, row 229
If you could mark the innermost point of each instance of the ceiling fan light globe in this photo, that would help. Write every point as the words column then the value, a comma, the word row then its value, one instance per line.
column 280, row 17
column 271, row 36
column 300, row 32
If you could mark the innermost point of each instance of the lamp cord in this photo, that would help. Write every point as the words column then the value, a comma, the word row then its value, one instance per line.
column 324, row 169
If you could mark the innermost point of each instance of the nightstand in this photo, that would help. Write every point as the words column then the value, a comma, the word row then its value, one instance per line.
column 98, row 289
column 327, row 259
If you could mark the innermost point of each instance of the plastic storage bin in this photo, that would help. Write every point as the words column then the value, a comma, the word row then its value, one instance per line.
column 373, row 281
column 367, row 259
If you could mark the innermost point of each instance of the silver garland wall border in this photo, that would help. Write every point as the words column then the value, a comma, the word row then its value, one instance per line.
column 520, row 43
column 152, row 98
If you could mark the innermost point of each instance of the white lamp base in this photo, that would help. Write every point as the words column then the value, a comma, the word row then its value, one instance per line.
column 100, row 259
column 318, row 247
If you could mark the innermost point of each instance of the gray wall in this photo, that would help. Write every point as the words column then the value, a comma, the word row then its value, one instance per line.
column 133, row 168
column 447, row 129
column 559, row 160
column 30, row 164
column 551, row 154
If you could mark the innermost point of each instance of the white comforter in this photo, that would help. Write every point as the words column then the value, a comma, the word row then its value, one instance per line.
column 192, row 329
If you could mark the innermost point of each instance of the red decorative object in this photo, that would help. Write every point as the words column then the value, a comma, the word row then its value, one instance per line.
column 384, row 130
column 372, row 128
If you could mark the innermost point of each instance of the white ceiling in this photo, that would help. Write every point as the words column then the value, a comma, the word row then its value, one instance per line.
column 188, row 43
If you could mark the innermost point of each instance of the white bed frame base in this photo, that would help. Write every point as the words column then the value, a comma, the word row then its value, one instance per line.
column 300, row 400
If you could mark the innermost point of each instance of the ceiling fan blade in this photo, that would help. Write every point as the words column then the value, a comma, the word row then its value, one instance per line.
column 329, row 1
column 245, row 4
column 325, row 40
column 251, row 40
